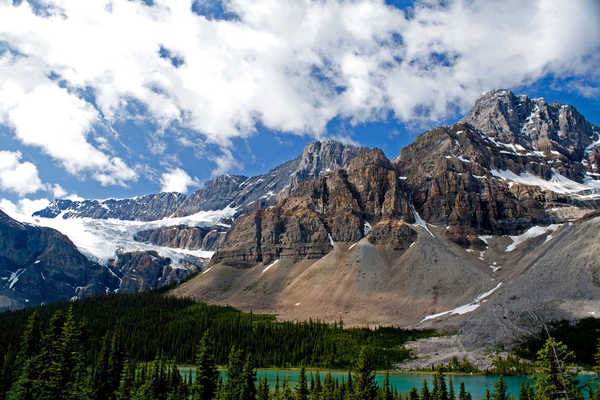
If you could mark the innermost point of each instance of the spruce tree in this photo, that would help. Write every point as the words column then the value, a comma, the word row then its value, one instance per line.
column 443, row 391
column 451, row 395
column 286, row 391
column 412, row 395
column 50, row 363
column 461, row 392
column 233, row 386
column 26, row 386
column 553, row 379
column 302, row 389
column 387, row 392
column 263, row 389
column 248, row 381
column 127, row 382
column 425, row 395
column 365, row 386
column 499, row 390
column 205, row 385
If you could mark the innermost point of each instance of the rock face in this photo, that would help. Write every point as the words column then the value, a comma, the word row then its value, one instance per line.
column 40, row 265
column 144, row 208
column 185, row 237
column 145, row 270
column 245, row 193
column 337, row 207
column 555, row 129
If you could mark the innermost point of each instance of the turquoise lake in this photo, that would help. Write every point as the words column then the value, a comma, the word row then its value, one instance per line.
column 476, row 384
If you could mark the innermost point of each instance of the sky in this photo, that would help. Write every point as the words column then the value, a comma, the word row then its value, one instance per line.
column 118, row 98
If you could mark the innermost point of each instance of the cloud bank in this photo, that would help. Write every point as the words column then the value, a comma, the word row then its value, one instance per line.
column 289, row 66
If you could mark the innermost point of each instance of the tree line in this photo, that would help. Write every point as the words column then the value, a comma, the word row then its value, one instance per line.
column 153, row 326
column 52, row 362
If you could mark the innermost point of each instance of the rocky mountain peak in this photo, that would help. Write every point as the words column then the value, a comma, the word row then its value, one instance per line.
column 534, row 124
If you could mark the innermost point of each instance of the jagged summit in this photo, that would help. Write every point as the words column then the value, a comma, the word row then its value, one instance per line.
column 236, row 191
column 534, row 124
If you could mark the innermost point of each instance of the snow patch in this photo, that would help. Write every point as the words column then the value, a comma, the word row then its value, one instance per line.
column 484, row 238
column 532, row 232
column 419, row 221
column 367, row 229
column 351, row 247
column 330, row 239
column 269, row 266
column 14, row 278
column 558, row 183
column 467, row 308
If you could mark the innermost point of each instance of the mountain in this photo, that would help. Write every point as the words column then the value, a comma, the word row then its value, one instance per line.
column 233, row 191
column 473, row 228
column 40, row 265
column 436, row 237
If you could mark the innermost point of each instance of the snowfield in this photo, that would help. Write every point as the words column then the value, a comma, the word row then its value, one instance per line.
column 100, row 239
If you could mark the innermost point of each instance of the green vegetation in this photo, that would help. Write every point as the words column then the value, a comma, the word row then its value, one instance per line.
column 580, row 337
column 152, row 326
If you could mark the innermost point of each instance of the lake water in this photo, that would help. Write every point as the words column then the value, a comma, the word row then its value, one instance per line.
column 476, row 384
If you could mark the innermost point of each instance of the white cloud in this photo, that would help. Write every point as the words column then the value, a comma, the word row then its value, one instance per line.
column 19, row 177
column 58, row 192
column 291, row 66
column 177, row 180
column 23, row 209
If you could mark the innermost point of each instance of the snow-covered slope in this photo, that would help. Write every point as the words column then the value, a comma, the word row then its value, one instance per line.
column 101, row 239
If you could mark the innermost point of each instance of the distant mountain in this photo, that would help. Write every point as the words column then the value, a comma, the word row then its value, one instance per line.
column 241, row 192
column 40, row 265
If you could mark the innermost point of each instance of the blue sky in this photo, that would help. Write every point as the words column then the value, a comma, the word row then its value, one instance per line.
column 117, row 98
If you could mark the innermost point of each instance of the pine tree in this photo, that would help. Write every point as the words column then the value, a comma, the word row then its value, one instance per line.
column 488, row 394
column 263, row 389
column 553, row 380
column 233, row 386
column 462, row 395
column 425, row 395
column 127, row 382
column 50, row 363
column 365, row 387
column 286, row 391
column 26, row 386
column 248, row 381
column 302, row 389
column 499, row 390
column 205, row 386
column 451, row 395
column 443, row 391
column 412, row 395
column 387, row 392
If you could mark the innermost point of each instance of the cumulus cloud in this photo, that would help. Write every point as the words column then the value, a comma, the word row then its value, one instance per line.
column 16, row 176
column 290, row 66
column 177, row 180
column 24, row 208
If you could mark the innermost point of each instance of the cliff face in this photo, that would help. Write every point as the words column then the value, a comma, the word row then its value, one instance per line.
column 145, row 270
column 39, row 265
column 341, row 206
column 185, row 237
column 241, row 192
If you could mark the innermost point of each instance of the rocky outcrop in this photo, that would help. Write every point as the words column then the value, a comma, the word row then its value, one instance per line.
column 337, row 207
column 40, row 265
column 145, row 270
column 236, row 191
column 143, row 208
column 185, row 237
